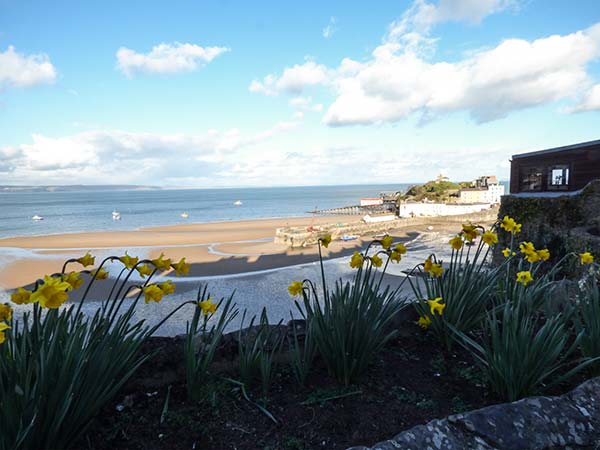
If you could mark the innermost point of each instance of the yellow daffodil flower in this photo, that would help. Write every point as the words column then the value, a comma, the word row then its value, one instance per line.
column 531, row 254
column 376, row 261
column 489, row 237
column 456, row 242
column 517, row 228
column 162, row 264
column 145, row 270
column 168, row 287
column 586, row 258
column 129, row 261
column 424, row 322
column 5, row 313
column 181, row 268
column 325, row 240
column 21, row 296
column 436, row 270
column 509, row 224
column 400, row 248
column 470, row 231
column 74, row 279
column 208, row 307
column 427, row 265
column 357, row 260
column 387, row 241
column 52, row 293
column 87, row 260
column 524, row 277
column 3, row 328
column 153, row 293
column 436, row 305
column 100, row 274
column 295, row 288
column 395, row 256
column 544, row 254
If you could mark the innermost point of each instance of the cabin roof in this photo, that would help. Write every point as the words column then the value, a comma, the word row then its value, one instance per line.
column 558, row 149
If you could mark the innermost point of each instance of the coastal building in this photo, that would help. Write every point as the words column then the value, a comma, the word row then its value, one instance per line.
column 374, row 201
column 485, row 189
column 557, row 170
column 430, row 209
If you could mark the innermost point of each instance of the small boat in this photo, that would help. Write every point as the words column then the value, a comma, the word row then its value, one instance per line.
column 349, row 237
column 37, row 218
column 184, row 215
column 238, row 203
column 116, row 215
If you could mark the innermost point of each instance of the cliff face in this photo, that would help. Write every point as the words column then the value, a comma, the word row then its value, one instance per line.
column 567, row 223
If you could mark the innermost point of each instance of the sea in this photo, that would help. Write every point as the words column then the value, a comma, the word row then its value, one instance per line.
column 91, row 210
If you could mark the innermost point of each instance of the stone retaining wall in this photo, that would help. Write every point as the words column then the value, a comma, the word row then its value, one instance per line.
column 570, row 421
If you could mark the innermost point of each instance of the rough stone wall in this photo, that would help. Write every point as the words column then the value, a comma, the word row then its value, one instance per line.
column 562, row 224
column 570, row 421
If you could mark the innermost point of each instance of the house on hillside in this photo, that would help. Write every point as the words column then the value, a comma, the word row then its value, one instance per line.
column 562, row 169
column 485, row 189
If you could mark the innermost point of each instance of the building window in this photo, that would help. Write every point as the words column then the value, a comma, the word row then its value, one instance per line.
column 558, row 177
column 531, row 179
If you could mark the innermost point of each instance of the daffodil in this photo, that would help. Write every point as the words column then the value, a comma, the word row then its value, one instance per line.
column 427, row 265
column 129, row 261
column 436, row 305
column 357, row 260
column 395, row 256
column 531, row 254
column 21, row 296
column 376, row 261
column 87, row 260
column 168, row 287
column 436, row 270
column 524, row 277
column 470, row 231
column 162, row 264
column 181, row 268
column 456, row 242
column 400, row 248
column 100, row 274
column 489, row 237
column 295, row 288
column 509, row 224
column 52, row 293
column 424, row 322
column 5, row 313
column 208, row 307
column 325, row 240
column 152, row 293
column 506, row 252
column 74, row 279
column 586, row 258
column 387, row 241
column 544, row 254
column 3, row 328
column 145, row 270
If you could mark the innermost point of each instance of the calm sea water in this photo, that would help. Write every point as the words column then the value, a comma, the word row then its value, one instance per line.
column 66, row 212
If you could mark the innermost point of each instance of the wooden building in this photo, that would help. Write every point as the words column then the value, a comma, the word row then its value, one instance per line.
column 561, row 169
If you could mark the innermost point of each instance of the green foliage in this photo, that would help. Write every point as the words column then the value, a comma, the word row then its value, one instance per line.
column 59, row 368
column 352, row 323
column 437, row 190
column 520, row 351
column 302, row 354
column 202, row 342
column 587, row 322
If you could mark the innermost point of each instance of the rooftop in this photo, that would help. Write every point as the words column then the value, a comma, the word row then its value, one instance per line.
column 558, row 149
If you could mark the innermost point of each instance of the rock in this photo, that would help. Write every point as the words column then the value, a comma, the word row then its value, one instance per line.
column 570, row 421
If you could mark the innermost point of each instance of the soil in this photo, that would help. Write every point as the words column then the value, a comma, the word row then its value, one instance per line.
column 411, row 382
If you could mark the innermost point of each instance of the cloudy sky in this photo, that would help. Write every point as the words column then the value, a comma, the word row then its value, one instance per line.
column 265, row 93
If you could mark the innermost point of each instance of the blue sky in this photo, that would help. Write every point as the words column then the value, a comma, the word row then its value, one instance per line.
column 232, row 93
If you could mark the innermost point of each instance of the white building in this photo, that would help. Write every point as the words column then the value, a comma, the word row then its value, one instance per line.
column 439, row 209
column 485, row 189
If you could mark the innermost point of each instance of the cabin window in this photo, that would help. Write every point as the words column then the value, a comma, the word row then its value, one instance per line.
column 531, row 179
column 558, row 177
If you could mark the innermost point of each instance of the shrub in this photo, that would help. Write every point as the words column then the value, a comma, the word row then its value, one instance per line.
column 58, row 367
column 587, row 321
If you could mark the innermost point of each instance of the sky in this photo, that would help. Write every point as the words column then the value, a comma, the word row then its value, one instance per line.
column 263, row 93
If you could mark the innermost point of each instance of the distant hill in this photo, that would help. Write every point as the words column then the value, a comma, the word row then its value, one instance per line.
column 77, row 187
column 440, row 190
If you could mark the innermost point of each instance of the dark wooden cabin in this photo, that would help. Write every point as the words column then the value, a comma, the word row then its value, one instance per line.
column 561, row 169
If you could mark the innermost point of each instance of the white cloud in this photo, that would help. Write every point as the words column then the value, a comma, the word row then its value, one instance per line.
column 18, row 70
column 166, row 58
column 590, row 102
column 115, row 156
column 305, row 104
column 293, row 80
column 330, row 28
